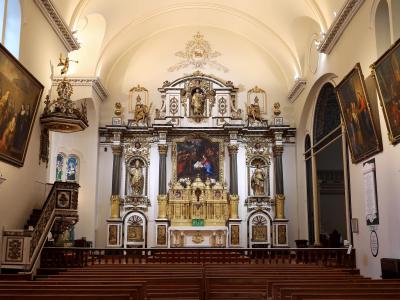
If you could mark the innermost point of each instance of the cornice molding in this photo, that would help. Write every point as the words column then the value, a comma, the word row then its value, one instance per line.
column 338, row 26
column 57, row 22
column 298, row 86
column 93, row 82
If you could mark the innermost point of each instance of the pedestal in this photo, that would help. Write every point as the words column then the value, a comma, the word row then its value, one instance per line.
column 114, row 232
column 234, row 232
column 280, row 233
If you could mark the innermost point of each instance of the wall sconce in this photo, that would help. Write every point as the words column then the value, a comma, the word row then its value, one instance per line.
column 2, row 179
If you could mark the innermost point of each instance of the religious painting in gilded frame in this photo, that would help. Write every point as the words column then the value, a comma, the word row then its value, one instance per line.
column 20, row 93
column 197, row 156
column 356, row 112
column 386, row 71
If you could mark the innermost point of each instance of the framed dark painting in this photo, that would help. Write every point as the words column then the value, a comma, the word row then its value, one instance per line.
column 356, row 112
column 20, row 94
column 386, row 71
column 197, row 156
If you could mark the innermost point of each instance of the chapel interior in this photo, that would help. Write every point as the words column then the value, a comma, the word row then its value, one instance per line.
column 176, row 128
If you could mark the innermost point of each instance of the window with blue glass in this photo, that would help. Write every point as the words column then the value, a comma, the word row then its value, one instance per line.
column 10, row 25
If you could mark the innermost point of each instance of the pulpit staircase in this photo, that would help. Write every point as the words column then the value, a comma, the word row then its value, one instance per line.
column 22, row 247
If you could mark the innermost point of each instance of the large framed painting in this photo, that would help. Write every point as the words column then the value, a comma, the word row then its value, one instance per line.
column 363, row 138
column 386, row 71
column 198, row 156
column 20, row 94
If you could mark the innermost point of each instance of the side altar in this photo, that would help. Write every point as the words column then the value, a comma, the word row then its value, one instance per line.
column 200, row 172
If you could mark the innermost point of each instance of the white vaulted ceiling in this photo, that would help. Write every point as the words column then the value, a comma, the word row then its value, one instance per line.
column 282, row 29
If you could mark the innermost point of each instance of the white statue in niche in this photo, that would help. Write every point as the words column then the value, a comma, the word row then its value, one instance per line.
column 137, row 178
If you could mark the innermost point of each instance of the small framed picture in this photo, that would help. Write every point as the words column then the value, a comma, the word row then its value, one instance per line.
column 354, row 225
column 278, row 121
column 117, row 121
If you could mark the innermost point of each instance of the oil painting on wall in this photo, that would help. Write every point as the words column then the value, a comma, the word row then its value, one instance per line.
column 387, row 76
column 354, row 106
column 20, row 93
column 197, row 156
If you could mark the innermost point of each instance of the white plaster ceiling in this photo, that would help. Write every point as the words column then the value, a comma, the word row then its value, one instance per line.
column 281, row 28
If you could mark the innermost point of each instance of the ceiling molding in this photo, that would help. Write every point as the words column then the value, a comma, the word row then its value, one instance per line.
column 57, row 22
column 338, row 26
column 93, row 82
column 298, row 87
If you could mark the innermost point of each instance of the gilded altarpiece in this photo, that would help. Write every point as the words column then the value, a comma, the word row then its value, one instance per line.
column 198, row 195
column 173, row 171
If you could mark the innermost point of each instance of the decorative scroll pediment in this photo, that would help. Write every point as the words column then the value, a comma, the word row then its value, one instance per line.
column 198, row 98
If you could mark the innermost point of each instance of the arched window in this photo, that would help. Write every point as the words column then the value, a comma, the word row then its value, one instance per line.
column 382, row 27
column 10, row 25
column 72, row 168
column 327, row 113
column 60, row 166
column 326, row 169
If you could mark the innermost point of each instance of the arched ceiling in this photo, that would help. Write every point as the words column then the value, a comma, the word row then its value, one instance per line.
column 274, row 26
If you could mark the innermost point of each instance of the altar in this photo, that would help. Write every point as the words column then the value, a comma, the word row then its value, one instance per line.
column 192, row 236
column 176, row 177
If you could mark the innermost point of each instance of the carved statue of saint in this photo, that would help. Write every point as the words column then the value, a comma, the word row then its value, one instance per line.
column 137, row 178
column 253, row 111
column 258, row 181
column 197, row 103
column 141, row 111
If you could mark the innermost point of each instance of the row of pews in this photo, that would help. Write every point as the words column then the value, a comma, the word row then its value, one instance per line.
column 200, row 281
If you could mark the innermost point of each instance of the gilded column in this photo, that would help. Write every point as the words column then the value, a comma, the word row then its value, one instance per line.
column 162, row 181
column 279, row 192
column 233, row 186
column 115, row 199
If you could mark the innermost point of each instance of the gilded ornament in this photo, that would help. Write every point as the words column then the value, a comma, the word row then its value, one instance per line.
column 64, row 63
column 280, row 206
column 277, row 150
column 118, row 109
column 277, row 110
column 115, row 207
column 141, row 113
column 235, row 235
column 137, row 148
column 198, row 53
column 163, row 149
column 197, row 238
column 233, row 149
